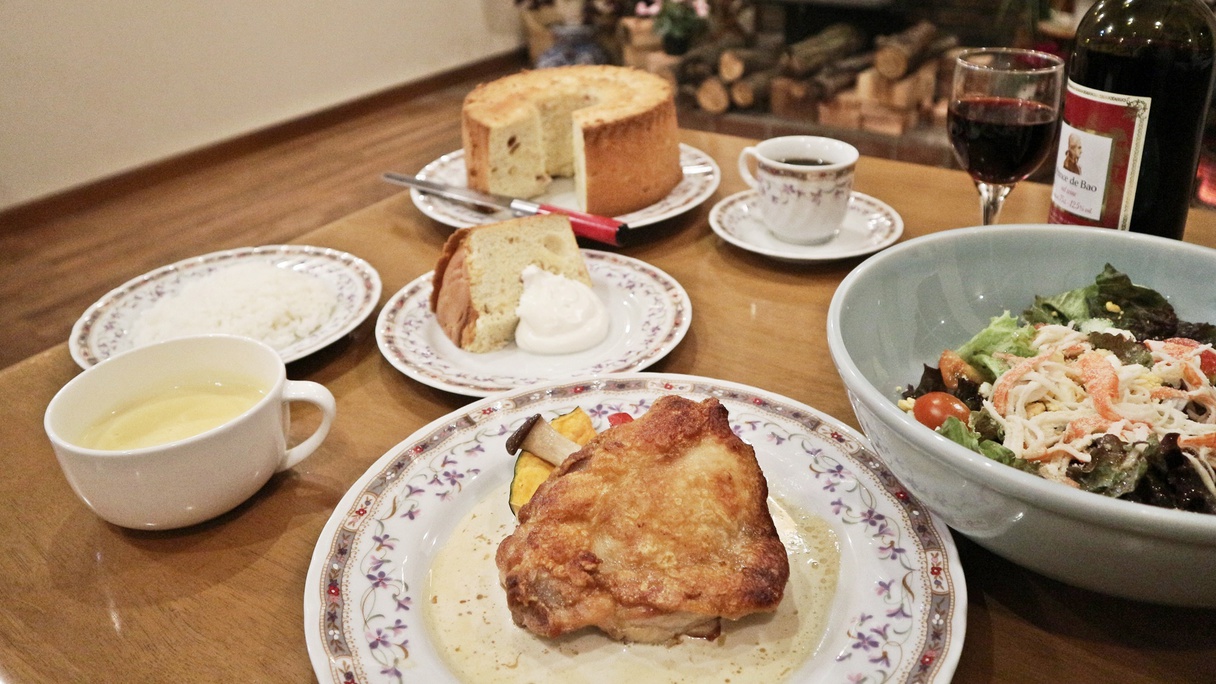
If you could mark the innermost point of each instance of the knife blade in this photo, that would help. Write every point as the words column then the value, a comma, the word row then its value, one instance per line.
column 598, row 228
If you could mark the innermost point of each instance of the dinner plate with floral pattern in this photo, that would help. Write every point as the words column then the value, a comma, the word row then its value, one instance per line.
column 649, row 314
column 107, row 326
column 898, row 613
column 701, row 179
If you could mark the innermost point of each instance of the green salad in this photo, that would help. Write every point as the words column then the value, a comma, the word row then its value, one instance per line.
column 1101, row 388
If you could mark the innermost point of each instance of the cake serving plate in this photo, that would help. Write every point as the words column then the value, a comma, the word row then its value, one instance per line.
column 701, row 179
column 649, row 315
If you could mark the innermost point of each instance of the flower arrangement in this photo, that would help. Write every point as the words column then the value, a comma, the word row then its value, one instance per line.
column 678, row 22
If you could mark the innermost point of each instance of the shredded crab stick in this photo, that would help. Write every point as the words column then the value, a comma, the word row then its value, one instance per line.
column 1054, row 405
column 1011, row 377
column 1101, row 383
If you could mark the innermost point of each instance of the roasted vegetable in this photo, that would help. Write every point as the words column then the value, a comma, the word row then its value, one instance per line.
column 554, row 441
column 543, row 440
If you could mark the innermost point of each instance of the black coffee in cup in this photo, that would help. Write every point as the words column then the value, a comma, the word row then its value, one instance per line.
column 805, row 161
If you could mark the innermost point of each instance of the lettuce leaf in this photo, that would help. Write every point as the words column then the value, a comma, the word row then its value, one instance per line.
column 1127, row 351
column 1110, row 470
column 957, row 431
column 1061, row 308
column 1003, row 334
column 1112, row 296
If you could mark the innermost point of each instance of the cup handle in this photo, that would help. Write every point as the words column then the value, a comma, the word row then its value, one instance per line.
column 744, row 169
column 316, row 394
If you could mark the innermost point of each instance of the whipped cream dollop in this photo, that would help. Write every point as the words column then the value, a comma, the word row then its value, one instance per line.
column 558, row 315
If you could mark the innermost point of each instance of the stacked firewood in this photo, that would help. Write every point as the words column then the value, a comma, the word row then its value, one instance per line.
column 836, row 76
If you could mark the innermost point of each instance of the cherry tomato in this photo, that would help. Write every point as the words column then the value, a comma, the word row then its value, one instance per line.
column 932, row 409
column 618, row 418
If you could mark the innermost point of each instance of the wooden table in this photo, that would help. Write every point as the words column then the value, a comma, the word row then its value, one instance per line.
column 86, row 601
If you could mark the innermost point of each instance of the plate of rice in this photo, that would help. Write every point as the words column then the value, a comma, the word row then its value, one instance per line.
column 296, row 298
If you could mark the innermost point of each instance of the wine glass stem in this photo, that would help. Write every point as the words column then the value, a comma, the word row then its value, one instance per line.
column 992, row 198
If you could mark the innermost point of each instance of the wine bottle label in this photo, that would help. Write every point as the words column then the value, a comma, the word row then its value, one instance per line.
column 1098, row 162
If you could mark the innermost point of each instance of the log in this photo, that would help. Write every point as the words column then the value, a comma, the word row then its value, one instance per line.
column 753, row 89
column 916, row 90
column 702, row 61
column 842, row 74
column 873, row 86
column 910, row 92
column 854, row 63
column 831, row 82
column 735, row 63
column 794, row 98
column 773, row 41
column 886, row 120
column 712, row 96
column 812, row 54
column 939, row 111
column 899, row 54
column 945, row 70
column 894, row 53
column 693, row 71
column 842, row 111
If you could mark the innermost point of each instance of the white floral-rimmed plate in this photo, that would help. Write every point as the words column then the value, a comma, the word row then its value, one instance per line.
column 106, row 326
column 869, row 226
column 899, row 614
column 696, row 187
column 650, row 313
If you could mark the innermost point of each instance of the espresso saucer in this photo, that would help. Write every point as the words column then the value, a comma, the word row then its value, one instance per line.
column 869, row 225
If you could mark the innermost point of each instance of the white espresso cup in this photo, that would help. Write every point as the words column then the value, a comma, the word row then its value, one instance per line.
column 803, row 184
column 159, row 389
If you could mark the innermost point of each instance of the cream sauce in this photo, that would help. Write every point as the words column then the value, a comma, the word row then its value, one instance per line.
column 470, row 625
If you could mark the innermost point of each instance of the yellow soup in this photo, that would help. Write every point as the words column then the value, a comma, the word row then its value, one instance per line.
column 177, row 413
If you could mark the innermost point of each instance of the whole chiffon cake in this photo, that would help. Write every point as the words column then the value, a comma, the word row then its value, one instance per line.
column 613, row 129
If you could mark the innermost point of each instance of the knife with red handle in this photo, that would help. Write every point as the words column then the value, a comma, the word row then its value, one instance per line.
column 598, row 228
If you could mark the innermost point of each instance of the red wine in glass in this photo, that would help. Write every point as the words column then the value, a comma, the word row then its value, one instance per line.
column 1004, row 109
column 1001, row 140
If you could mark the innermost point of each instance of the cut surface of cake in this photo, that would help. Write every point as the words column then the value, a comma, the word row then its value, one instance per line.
column 655, row 529
column 476, row 285
column 613, row 129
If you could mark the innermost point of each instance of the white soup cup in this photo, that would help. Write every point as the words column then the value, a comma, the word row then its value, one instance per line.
column 195, row 478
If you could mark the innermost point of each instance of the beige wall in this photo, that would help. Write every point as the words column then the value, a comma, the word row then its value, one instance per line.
column 92, row 88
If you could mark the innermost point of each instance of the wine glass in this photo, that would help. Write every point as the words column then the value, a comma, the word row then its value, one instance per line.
column 1002, row 119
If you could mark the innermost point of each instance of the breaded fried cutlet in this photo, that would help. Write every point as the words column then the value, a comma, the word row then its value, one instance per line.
column 655, row 529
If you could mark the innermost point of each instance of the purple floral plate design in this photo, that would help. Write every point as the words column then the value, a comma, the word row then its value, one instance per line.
column 106, row 326
column 650, row 313
column 899, row 613
column 690, row 193
column 869, row 226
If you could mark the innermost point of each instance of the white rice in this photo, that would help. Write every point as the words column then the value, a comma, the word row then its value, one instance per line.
column 257, row 299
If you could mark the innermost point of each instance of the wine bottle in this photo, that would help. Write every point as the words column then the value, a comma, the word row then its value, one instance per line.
column 1139, row 82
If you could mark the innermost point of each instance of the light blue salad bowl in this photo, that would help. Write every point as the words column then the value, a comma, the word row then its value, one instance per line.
column 898, row 310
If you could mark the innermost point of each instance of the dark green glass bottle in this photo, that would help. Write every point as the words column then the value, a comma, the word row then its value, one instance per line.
column 1139, row 83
